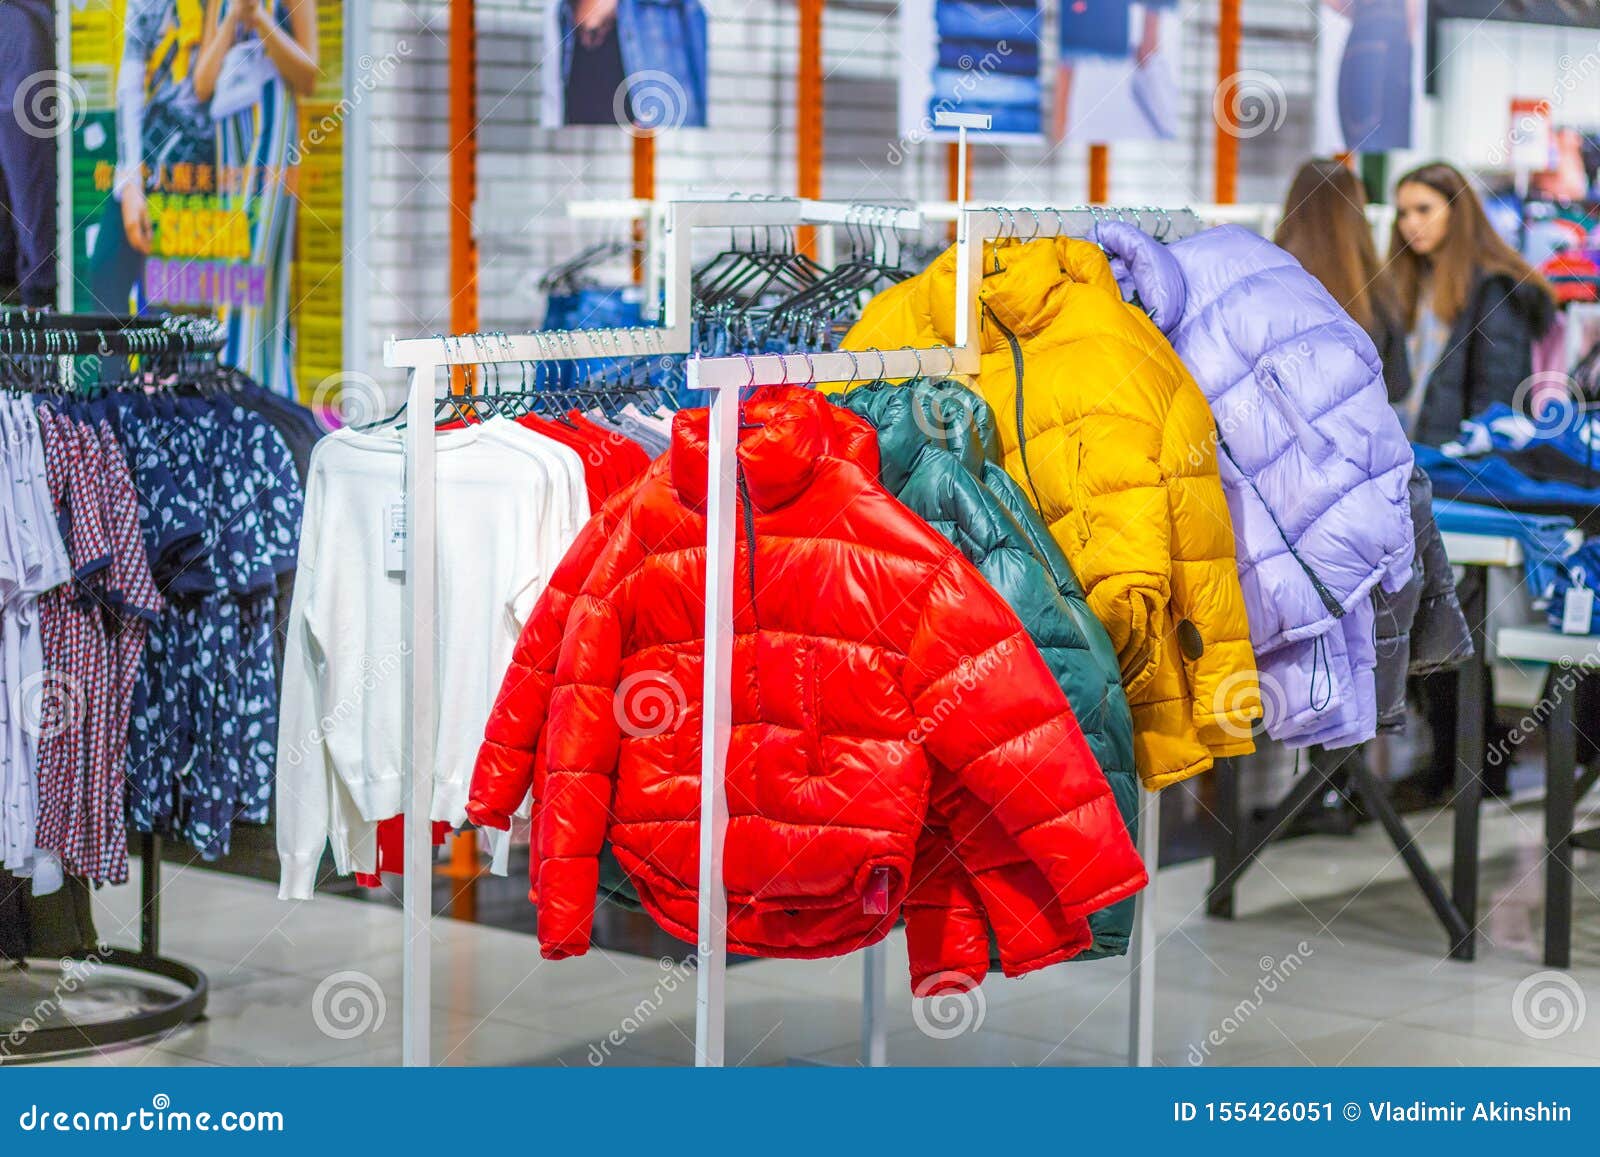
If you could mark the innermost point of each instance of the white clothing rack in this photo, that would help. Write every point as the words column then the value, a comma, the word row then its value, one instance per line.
column 654, row 214
column 424, row 357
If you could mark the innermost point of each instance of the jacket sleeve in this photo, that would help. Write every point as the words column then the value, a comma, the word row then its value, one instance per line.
column 1396, row 362
column 303, row 807
column 990, row 713
column 581, row 751
column 504, row 771
column 1208, row 608
column 947, row 934
column 1101, row 492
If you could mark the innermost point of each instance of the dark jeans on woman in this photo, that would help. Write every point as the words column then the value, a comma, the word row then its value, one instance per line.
column 28, row 150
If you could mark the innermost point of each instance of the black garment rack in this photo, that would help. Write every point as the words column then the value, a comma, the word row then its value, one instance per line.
column 44, row 333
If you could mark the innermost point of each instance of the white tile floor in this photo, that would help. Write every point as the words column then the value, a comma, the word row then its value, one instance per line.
column 1334, row 961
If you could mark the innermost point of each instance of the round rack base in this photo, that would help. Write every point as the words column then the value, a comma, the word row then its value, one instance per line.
column 52, row 1041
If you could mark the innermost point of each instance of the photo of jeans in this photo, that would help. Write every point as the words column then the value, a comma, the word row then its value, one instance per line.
column 972, row 73
column 964, row 87
column 986, row 56
column 973, row 20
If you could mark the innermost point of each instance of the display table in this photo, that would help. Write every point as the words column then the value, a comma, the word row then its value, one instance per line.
column 1573, row 656
column 1241, row 841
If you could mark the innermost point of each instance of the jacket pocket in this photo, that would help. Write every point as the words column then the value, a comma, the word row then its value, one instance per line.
column 1317, row 447
column 1077, row 492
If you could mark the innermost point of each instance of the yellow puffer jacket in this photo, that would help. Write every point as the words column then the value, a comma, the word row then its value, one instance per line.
column 1118, row 451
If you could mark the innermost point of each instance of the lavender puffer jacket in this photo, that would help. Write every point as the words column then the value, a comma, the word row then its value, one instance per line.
column 1313, row 460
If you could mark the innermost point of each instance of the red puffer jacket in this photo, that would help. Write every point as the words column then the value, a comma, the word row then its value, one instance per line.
column 879, row 683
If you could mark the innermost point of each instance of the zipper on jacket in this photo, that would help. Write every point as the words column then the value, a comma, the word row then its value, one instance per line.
column 747, row 508
column 1022, row 433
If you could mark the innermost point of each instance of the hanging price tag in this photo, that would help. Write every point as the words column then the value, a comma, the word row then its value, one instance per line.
column 394, row 538
column 1577, row 611
column 876, row 900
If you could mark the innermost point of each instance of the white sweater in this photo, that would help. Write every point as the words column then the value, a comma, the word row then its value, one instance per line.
column 510, row 501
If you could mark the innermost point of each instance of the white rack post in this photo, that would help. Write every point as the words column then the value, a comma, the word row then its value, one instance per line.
column 1142, row 950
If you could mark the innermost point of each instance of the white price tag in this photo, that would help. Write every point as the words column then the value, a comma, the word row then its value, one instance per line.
column 1577, row 611
column 394, row 538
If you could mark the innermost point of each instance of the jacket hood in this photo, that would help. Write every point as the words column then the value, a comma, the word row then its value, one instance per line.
column 1025, row 285
column 1146, row 272
column 924, row 418
column 784, row 431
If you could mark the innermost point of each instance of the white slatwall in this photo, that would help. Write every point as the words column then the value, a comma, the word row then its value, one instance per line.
column 1485, row 63
column 527, row 174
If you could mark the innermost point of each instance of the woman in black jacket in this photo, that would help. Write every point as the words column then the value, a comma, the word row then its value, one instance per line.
column 1474, row 310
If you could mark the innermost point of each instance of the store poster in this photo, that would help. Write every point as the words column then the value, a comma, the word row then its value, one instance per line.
column 970, row 56
column 1116, row 71
column 638, row 64
column 207, row 173
column 1369, row 74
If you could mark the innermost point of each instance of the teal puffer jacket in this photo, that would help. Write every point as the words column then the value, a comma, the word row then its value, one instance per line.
column 940, row 455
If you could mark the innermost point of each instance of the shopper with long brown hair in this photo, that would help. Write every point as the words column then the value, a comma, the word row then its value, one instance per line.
column 1474, row 310
column 1473, row 307
column 1324, row 225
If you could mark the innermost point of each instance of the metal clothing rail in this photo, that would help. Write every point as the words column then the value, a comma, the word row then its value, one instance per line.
column 655, row 216
column 423, row 358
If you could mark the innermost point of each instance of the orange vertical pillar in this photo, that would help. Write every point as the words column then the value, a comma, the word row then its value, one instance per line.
column 952, row 177
column 1099, row 174
column 464, row 316
column 644, row 188
column 808, row 112
column 1228, row 33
